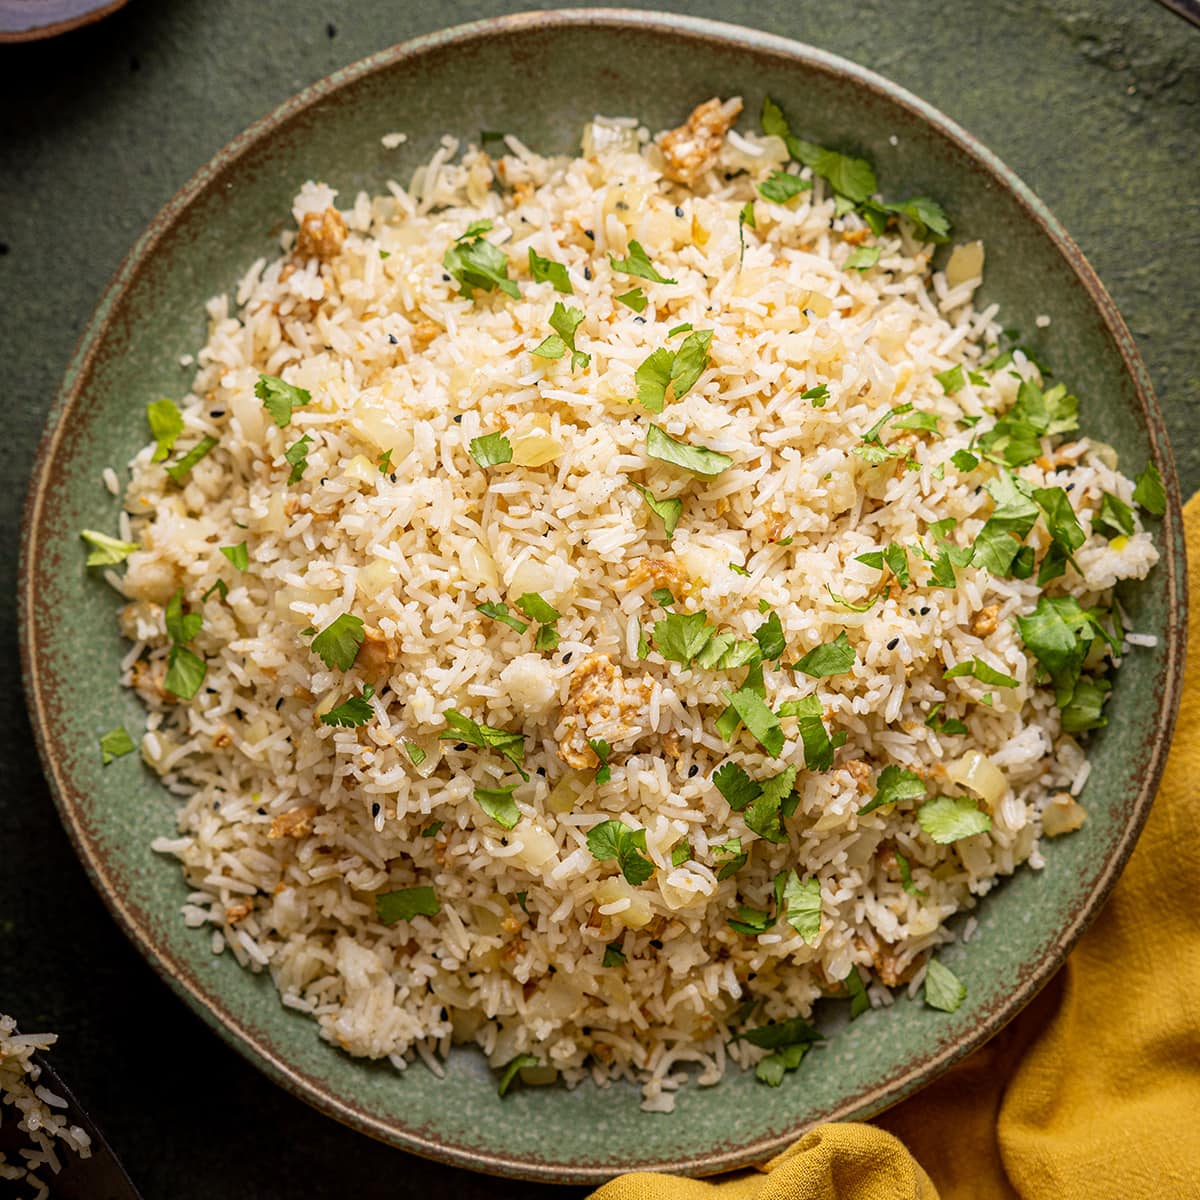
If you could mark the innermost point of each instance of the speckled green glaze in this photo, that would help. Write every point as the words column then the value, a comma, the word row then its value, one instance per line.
column 539, row 76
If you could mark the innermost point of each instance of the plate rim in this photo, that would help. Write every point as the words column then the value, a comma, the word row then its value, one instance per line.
column 178, row 974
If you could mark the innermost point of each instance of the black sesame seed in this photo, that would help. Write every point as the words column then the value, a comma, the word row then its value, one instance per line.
column 525, row 219
column 458, row 419
column 331, row 32
column 540, row 771
column 374, row 810
column 216, row 805
column 445, row 278
column 1069, row 488
column 925, row 611
column 587, row 272
column 678, row 211
column 392, row 477
column 551, row 968
column 461, row 746
column 656, row 943
column 279, row 704
column 217, row 412
column 237, row 712
column 640, row 320
column 504, row 841
column 587, row 233
column 262, row 812
column 912, row 612
column 393, row 339
column 893, row 643
column 693, row 770
column 567, row 657
column 324, row 480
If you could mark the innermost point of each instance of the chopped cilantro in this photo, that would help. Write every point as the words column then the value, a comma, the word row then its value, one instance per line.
column 1115, row 517
column 114, row 744
column 1066, row 534
column 906, row 879
column 337, row 644
column 893, row 785
column 678, row 370
column 953, row 379
column 614, row 956
column 602, row 750
column 475, row 263
column 943, row 989
column 564, row 321
column 491, row 449
column 681, row 853
column 803, row 906
column 1014, row 515
column 638, row 264
column 499, row 612
column 354, row 712
column 106, row 551
column 681, row 636
column 166, row 424
column 219, row 586
column 280, row 398
column 853, row 178
column 894, row 557
column 964, row 460
column 181, row 625
column 662, row 597
column 782, row 186
column 818, row 395
column 770, row 639
column 183, row 468
column 951, row 818
column 1085, row 709
column 1015, row 439
column 538, row 609
column 545, row 270
column 185, row 672
column 239, row 556
column 1149, row 492
column 415, row 754
column 750, row 921
column 860, row 608
column 406, row 903
column 669, row 509
column 1059, row 634
column 862, row 258
column 761, row 722
column 653, row 378
column 463, row 729
column 731, row 780
column 857, row 991
column 635, row 299
column 818, row 745
column 976, row 668
column 700, row 460
column 499, row 804
column 943, row 724
column 926, row 422
column 613, row 839
column 511, row 1071
column 830, row 658
column 432, row 829
column 763, row 814
column 732, row 850
column 297, row 455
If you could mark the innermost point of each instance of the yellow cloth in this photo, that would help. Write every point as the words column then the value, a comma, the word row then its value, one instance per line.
column 1092, row 1092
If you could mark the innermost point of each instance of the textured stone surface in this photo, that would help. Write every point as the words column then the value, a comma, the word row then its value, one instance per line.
column 1094, row 104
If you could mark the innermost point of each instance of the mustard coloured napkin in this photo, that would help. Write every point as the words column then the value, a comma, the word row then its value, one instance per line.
column 1092, row 1093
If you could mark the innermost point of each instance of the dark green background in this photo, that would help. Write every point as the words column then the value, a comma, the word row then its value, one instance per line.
column 1095, row 103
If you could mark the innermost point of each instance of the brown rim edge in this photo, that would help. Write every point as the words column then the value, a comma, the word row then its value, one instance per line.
column 38, row 33
column 178, row 975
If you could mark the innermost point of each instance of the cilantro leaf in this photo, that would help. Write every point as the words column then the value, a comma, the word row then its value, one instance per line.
column 802, row 900
column 1059, row 634
column 475, row 263
column 782, row 186
column 779, row 1034
column 761, row 722
column 1085, row 709
column 463, row 729
column 750, row 921
column 862, row 258
column 964, row 460
column 114, row 744
column 432, row 829
column 602, row 750
column 353, row 712
column 943, row 989
column 830, row 658
column 510, row 1072
column 1115, row 517
column 491, row 449
column 106, row 551
column 893, row 785
column 546, row 638
column 859, row 608
column 669, row 510
column 681, row 853
column 681, row 636
column 635, row 299
column 762, row 815
column 564, row 321
column 951, row 818
column 732, row 849
column 280, row 398
column 613, row 839
column 337, row 644
column 416, row 756
column 550, row 347
column 698, row 459
column 662, row 597
column 181, row 625
column 638, row 264
column 906, row 879
column 818, row 745
column 545, row 270
column 976, row 668
column 219, row 586
column 183, row 468
column 166, row 424
column 185, row 672
column 537, row 609
column 406, row 903
column 770, row 639
column 239, row 556
column 499, row 804
column 499, row 612
column 297, row 455
column 731, row 780
column 944, row 724
column 1014, row 515
column 1149, row 492
column 614, row 956
column 1066, row 534
column 652, row 378
column 953, row 379
column 857, row 991
column 690, row 361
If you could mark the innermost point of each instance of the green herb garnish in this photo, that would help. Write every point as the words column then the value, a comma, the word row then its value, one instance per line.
column 545, row 270
column 106, row 551
column 976, row 668
column 499, row 612
column 491, row 449
column 406, row 903
column 463, row 729
column 638, row 263
column 831, row 658
column 613, row 839
column 475, row 263
column 782, row 186
column 700, row 460
column 297, row 455
column 635, row 299
column 166, row 424
column 893, row 785
column 943, row 989
column 239, row 556
column 353, row 712
column 499, row 805
column 114, row 744
column 669, row 510
column 183, row 468
column 280, row 398
column 951, row 818
column 862, row 258
column 337, row 644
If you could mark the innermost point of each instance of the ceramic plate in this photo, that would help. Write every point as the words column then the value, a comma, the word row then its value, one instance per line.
column 541, row 76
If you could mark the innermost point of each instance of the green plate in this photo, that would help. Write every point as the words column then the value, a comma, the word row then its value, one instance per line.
column 540, row 76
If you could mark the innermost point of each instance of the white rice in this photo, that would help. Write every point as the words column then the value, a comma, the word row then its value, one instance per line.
column 37, row 1111
column 396, row 359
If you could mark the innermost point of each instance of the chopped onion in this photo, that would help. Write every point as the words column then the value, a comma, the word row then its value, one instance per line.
column 977, row 773
column 616, row 888
column 1063, row 814
column 966, row 262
